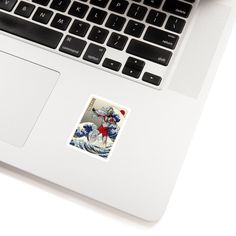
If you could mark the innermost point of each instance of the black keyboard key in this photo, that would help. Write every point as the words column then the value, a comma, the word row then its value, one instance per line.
column 24, row 9
column 60, row 5
column 94, row 53
column 41, row 2
column 175, row 24
column 134, row 28
column 133, row 67
column 98, row 34
column 42, row 15
column 79, row 28
column 73, row 46
column 160, row 37
column 115, row 22
column 190, row 1
column 7, row 5
column 137, row 12
column 111, row 64
column 131, row 72
column 156, row 18
column 135, row 63
column 60, row 21
column 29, row 30
column 119, row 6
column 149, row 52
column 117, row 41
column 177, row 7
column 99, row 3
column 78, row 9
column 96, row 16
column 152, row 79
column 153, row 3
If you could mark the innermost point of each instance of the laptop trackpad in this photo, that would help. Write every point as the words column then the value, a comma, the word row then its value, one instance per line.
column 24, row 89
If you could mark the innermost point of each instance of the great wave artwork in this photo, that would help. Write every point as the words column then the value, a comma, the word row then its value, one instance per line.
column 99, row 127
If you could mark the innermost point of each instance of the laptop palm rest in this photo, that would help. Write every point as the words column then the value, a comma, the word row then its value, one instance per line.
column 24, row 89
column 207, row 31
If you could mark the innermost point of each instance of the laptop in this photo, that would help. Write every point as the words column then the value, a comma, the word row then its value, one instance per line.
column 102, row 97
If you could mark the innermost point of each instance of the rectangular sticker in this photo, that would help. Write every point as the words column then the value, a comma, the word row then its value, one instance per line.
column 99, row 127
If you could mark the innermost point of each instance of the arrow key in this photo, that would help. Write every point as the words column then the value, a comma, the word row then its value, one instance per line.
column 111, row 64
column 152, row 79
column 131, row 72
column 133, row 67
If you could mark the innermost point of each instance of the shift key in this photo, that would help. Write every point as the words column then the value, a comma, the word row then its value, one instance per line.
column 149, row 52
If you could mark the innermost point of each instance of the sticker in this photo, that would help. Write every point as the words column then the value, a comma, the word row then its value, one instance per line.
column 99, row 127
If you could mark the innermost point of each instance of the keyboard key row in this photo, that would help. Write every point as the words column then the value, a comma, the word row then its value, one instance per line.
column 36, row 33
column 75, row 47
column 97, row 16
column 133, row 68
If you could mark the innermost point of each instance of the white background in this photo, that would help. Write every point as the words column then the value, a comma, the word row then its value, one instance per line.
column 203, row 202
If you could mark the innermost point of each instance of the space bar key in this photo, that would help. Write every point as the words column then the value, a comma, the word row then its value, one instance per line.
column 149, row 52
column 29, row 30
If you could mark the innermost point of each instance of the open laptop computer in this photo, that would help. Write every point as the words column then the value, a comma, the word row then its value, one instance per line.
column 102, row 96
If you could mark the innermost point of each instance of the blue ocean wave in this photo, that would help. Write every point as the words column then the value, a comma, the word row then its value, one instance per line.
column 92, row 148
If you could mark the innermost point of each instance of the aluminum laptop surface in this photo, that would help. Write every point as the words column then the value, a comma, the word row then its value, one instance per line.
column 54, row 104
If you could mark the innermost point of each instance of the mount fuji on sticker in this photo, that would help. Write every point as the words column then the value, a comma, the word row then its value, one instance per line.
column 99, row 127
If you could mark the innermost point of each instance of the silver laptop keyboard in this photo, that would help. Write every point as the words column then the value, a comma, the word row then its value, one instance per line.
column 128, row 38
